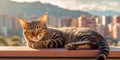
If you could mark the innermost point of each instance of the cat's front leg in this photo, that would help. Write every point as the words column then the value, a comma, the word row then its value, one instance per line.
column 42, row 44
column 79, row 45
column 36, row 45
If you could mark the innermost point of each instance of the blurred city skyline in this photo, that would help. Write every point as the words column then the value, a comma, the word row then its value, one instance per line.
column 100, row 15
column 107, row 26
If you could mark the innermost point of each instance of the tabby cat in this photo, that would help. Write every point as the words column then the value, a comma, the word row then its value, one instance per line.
column 38, row 35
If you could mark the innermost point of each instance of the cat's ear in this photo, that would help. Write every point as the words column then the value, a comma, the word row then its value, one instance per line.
column 23, row 23
column 44, row 18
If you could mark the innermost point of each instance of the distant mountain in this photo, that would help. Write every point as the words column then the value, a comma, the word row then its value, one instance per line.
column 107, row 13
column 37, row 8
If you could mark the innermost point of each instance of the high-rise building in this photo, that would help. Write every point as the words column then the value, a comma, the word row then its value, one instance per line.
column 116, row 31
column 74, row 22
column 103, row 25
column 116, row 19
column 116, row 28
column 8, row 25
column 51, row 22
column 65, row 21
column 87, row 21
column 106, row 20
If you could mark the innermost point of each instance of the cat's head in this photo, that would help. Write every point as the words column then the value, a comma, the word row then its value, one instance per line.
column 34, row 30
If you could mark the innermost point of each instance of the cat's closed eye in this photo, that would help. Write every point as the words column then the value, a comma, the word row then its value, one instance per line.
column 31, row 36
column 32, row 33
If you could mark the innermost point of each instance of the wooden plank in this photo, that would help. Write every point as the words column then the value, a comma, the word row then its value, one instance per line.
column 23, row 51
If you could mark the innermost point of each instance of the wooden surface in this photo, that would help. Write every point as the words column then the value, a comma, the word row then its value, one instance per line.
column 29, row 52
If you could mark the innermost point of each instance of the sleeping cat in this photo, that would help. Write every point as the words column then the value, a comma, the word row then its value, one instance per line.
column 38, row 35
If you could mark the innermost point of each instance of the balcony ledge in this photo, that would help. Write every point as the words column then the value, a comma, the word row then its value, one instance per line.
column 22, row 51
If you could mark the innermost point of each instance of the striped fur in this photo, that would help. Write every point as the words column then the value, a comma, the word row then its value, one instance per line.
column 38, row 35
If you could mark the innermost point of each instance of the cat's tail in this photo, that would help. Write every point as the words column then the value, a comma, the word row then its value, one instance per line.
column 104, row 50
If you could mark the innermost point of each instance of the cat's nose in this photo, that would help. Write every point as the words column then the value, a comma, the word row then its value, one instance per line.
column 35, row 37
column 38, row 36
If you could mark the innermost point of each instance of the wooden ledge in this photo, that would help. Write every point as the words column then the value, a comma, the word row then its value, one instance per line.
column 29, row 52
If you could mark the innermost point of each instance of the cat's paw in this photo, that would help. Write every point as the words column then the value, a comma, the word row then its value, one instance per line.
column 35, row 46
column 101, row 57
column 70, row 47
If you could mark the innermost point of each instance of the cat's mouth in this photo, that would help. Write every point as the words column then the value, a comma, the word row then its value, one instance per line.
column 37, row 38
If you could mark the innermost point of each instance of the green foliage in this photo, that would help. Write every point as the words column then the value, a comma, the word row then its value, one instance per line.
column 3, row 41
column 15, row 44
column 12, row 41
column 15, row 41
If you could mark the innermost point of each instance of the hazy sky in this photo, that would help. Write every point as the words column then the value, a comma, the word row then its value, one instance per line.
column 85, row 5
